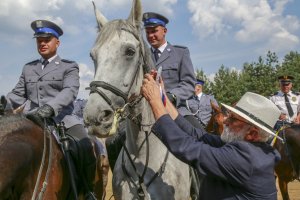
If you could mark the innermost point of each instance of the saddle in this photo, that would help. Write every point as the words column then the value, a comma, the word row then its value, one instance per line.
column 75, row 155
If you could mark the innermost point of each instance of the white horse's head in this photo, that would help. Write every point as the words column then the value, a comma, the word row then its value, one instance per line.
column 120, row 60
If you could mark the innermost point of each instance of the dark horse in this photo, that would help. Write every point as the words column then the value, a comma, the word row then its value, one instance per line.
column 288, row 169
column 29, row 172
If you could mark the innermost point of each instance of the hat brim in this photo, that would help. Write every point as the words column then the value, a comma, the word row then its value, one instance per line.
column 249, row 119
column 153, row 25
column 44, row 35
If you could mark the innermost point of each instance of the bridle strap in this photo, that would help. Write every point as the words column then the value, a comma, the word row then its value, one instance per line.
column 94, row 89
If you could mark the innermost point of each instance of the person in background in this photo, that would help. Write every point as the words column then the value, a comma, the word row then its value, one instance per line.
column 198, row 110
column 287, row 101
column 48, row 87
column 177, row 68
column 239, row 164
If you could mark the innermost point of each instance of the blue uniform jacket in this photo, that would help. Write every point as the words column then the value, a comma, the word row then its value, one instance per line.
column 177, row 71
column 201, row 109
column 236, row 170
column 56, row 85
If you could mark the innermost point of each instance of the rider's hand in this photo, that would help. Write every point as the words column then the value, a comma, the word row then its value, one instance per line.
column 45, row 111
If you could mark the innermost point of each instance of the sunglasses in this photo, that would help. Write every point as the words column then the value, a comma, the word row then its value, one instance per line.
column 231, row 118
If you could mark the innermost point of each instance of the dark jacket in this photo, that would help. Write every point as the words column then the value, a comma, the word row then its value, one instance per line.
column 236, row 170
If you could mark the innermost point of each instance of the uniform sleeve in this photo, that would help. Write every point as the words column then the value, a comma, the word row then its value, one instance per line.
column 17, row 96
column 231, row 162
column 70, row 89
column 186, row 74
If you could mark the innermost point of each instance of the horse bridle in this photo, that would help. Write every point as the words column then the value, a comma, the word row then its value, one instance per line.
column 95, row 85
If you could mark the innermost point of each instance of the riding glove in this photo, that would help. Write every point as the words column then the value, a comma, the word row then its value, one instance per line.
column 45, row 111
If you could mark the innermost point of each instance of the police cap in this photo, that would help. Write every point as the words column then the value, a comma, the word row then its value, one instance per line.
column 285, row 79
column 44, row 28
column 199, row 82
column 152, row 19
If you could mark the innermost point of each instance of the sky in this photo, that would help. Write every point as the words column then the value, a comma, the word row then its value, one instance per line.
column 217, row 32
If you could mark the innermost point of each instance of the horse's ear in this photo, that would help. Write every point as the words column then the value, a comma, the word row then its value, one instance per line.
column 136, row 13
column 101, row 20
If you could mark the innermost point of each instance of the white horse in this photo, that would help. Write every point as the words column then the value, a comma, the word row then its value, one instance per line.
column 144, row 169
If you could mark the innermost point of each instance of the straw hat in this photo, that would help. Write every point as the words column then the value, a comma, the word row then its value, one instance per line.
column 257, row 110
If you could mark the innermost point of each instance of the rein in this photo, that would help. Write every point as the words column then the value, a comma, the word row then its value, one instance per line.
column 45, row 183
column 142, row 187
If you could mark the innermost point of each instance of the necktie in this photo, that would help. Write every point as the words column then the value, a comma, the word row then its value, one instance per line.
column 156, row 52
column 288, row 105
column 45, row 63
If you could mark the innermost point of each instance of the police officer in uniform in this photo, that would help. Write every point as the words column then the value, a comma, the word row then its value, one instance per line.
column 177, row 68
column 48, row 87
column 287, row 101
column 197, row 109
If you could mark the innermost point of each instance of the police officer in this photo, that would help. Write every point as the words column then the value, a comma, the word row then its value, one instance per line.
column 48, row 86
column 287, row 101
column 197, row 109
column 177, row 68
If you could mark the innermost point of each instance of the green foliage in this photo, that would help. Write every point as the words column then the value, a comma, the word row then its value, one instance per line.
column 291, row 66
column 260, row 77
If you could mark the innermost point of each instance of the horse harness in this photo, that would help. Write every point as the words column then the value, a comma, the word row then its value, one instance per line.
column 122, row 113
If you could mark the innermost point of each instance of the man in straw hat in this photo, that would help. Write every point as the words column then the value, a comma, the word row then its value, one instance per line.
column 237, row 165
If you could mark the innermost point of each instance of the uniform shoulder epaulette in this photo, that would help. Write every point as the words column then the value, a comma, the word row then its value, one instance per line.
column 67, row 61
column 179, row 46
column 33, row 62
column 275, row 93
column 296, row 93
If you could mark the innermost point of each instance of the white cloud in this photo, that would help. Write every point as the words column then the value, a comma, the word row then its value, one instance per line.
column 255, row 21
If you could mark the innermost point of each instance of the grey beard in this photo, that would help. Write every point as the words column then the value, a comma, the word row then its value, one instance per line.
column 230, row 136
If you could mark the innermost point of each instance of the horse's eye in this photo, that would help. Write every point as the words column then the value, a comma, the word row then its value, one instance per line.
column 130, row 52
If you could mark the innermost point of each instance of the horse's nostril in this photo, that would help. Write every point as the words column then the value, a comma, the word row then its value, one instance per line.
column 105, row 115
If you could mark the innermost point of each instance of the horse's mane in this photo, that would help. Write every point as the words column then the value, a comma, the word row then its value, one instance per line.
column 12, row 123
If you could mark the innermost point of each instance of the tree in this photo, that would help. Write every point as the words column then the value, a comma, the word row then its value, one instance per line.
column 291, row 66
column 260, row 77
column 226, row 87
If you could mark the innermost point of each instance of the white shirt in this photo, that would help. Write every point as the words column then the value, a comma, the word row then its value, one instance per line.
column 49, row 60
column 279, row 101
column 161, row 48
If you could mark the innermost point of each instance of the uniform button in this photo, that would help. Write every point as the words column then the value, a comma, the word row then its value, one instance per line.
column 41, row 97
column 40, row 88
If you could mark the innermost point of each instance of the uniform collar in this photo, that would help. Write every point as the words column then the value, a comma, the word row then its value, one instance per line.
column 161, row 48
column 50, row 59
column 288, row 94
